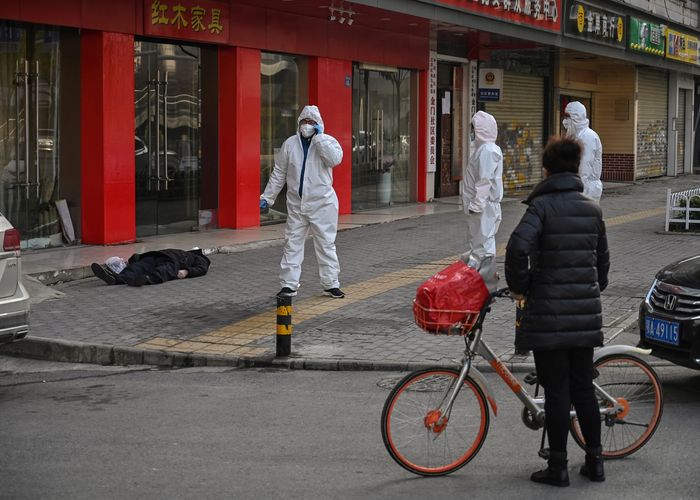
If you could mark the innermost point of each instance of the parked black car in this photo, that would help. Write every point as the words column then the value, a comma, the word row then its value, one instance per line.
column 669, row 316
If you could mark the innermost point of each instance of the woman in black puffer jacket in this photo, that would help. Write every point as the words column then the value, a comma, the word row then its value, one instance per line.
column 556, row 265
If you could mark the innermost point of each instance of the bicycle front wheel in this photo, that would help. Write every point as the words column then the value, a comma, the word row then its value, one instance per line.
column 635, row 386
column 421, row 434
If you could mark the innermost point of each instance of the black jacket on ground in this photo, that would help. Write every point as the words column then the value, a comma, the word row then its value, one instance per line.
column 558, row 258
column 196, row 263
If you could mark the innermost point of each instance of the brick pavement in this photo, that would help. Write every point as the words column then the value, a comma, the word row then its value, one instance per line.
column 205, row 312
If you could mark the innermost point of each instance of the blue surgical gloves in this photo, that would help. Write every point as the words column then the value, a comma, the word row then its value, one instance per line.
column 318, row 129
column 264, row 207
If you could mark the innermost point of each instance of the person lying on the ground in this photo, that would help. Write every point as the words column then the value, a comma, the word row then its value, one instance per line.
column 155, row 267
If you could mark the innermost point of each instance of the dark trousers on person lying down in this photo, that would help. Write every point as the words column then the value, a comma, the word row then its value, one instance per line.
column 567, row 378
column 157, row 270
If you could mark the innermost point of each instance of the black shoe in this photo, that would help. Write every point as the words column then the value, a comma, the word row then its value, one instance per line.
column 593, row 468
column 556, row 473
column 287, row 292
column 116, row 276
column 138, row 280
column 336, row 293
column 101, row 273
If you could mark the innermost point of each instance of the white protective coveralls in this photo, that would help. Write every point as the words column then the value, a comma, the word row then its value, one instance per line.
column 482, row 189
column 591, row 166
column 316, row 209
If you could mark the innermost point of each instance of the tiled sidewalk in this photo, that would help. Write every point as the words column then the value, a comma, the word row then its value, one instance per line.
column 228, row 316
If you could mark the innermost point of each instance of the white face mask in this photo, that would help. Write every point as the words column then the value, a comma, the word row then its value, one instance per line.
column 567, row 123
column 306, row 130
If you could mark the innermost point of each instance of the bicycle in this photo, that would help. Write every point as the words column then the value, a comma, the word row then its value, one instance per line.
column 435, row 420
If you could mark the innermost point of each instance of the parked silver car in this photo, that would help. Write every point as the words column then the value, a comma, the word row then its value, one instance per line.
column 14, row 299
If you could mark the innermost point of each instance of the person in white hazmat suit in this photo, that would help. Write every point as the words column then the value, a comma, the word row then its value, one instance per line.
column 482, row 192
column 591, row 166
column 305, row 163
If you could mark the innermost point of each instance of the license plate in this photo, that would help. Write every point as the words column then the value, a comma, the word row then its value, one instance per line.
column 662, row 330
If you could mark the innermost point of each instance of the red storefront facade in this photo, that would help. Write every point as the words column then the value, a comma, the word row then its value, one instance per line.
column 237, row 33
column 171, row 111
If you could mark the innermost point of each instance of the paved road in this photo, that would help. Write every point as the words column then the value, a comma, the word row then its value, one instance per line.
column 84, row 432
column 230, row 312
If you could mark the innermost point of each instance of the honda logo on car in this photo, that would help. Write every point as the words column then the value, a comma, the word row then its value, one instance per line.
column 670, row 302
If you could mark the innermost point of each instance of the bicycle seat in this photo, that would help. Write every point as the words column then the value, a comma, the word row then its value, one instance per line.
column 531, row 378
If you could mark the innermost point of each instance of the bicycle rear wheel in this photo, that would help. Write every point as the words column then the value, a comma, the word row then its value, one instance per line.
column 637, row 389
column 413, row 431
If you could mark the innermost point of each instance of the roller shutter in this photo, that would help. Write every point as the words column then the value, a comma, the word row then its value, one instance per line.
column 652, row 115
column 680, row 127
column 520, row 117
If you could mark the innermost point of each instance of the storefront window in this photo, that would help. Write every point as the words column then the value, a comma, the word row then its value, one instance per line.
column 283, row 93
column 381, row 142
column 29, row 132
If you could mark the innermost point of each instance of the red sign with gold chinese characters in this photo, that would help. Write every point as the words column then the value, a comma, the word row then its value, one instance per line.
column 543, row 14
column 201, row 20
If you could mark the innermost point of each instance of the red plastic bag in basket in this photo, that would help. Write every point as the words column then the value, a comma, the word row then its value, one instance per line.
column 445, row 297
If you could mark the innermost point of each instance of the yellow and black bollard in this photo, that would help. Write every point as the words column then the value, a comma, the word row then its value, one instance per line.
column 284, row 326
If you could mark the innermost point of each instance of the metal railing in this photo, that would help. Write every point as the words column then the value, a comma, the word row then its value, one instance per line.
column 679, row 202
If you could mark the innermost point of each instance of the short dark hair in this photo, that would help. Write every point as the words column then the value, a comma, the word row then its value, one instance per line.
column 562, row 154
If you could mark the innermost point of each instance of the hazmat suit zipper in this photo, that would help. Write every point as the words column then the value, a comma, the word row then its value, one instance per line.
column 305, row 145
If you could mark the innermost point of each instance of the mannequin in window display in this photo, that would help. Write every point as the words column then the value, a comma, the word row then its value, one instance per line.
column 577, row 126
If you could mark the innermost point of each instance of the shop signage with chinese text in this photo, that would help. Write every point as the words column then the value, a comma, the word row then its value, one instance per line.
column 681, row 46
column 490, row 84
column 200, row 20
column 647, row 37
column 595, row 24
column 543, row 14
column 432, row 112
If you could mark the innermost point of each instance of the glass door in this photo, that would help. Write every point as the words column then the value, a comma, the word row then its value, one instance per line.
column 449, row 130
column 29, row 83
column 167, row 137
column 381, row 140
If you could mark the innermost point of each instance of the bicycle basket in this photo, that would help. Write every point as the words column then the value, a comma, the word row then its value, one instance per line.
column 444, row 321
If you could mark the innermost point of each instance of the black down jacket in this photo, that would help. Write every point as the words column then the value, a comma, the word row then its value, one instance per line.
column 558, row 258
column 196, row 263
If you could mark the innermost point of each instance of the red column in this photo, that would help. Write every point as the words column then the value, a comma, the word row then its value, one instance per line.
column 107, row 137
column 239, row 137
column 421, row 116
column 330, row 88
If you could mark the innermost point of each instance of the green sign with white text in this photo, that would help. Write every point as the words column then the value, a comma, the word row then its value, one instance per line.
column 646, row 37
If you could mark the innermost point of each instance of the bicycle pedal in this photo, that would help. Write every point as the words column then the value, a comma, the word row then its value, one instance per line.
column 531, row 378
column 544, row 453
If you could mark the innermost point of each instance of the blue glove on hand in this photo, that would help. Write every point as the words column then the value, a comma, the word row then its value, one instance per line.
column 264, row 207
column 318, row 129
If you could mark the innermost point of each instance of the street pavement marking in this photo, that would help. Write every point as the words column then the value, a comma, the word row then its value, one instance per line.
column 235, row 337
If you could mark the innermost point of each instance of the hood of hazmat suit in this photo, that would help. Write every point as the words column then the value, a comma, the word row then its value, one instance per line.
column 323, row 155
column 482, row 181
column 591, row 165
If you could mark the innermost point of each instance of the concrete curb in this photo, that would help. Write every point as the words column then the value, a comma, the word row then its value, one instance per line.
column 103, row 354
